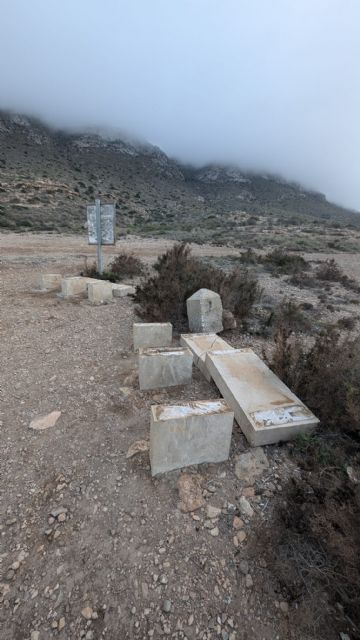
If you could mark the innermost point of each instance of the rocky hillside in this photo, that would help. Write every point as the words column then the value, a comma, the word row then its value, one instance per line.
column 47, row 177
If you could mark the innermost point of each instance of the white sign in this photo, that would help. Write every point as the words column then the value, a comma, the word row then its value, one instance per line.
column 107, row 223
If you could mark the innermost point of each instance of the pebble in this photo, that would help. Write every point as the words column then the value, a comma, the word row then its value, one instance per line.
column 214, row 532
column 212, row 512
column 244, row 567
column 166, row 606
column 35, row 635
column 249, row 581
column 238, row 523
column 87, row 613
column 284, row 607
column 245, row 507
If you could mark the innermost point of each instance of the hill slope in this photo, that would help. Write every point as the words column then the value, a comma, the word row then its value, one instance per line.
column 47, row 177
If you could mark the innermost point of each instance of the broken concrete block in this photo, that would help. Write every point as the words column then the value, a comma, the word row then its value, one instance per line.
column 265, row 409
column 75, row 285
column 200, row 344
column 204, row 310
column 191, row 433
column 152, row 334
column 121, row 290
column 164, row 367
column 100, row 291
column 49, row 281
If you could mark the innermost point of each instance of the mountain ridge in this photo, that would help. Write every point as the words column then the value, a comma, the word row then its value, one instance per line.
column 48, row 175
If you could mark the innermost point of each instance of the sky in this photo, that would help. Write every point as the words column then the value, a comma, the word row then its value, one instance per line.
column 270, row 85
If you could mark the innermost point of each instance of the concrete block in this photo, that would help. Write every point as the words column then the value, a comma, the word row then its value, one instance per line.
column 49, row 281
column 200, row 344
column 75, row 285
column 191, row 433
column 265, row 409
column 99, row 292
column 204, row 310
column 164, row 367
column 151, row 334
column 121, row 290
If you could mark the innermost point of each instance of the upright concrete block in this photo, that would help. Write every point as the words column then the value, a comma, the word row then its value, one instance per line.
column 75, row 286
column 99, row 292
column 204, row 310
column 191, row 433
column 49, row 281
column 164, row 367
column 200, row 344
column 121, row 290
column 265, row 409
column 152, row 334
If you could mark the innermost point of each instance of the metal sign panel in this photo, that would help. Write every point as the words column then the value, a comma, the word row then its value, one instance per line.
column 107, row 224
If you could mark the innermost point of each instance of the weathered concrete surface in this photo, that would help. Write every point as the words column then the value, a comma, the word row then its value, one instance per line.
column 265, row 409
column 191, row 433
column 152, row 334
column 99, row 292
column 200, row 344
column 204, row 310
column 121, row 290
column 164, row 367
column 49, row 281
column 75, row 285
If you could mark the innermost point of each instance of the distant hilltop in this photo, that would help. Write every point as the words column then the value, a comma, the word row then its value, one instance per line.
column 47, row 176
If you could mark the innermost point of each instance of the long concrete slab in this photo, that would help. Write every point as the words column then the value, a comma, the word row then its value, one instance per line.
column 200, row 344
column 265, row 409
column 190, row 433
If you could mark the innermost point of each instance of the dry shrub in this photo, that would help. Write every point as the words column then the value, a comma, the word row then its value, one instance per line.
column 312, row 549
column 281, row 262
column 126, row 265
column 326, row 376
column 162, row 297
column 329, row 271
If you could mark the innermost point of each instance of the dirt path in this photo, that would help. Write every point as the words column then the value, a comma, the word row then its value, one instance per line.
column 125, row 550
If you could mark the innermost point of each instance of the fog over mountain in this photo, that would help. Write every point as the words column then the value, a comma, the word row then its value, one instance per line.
column 271, row 86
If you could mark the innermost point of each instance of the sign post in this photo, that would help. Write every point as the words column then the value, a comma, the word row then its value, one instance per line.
column 101, row 228
column 98, row 236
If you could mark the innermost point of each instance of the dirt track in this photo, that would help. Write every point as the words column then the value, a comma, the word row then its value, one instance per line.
column 125, row 547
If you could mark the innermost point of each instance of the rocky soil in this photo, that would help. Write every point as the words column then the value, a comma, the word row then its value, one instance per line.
column 90, row 545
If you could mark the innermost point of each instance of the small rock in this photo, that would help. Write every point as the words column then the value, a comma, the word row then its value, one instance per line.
column 214, row 532
column 87, row 613
column 235, row 541
column 245, row 507
column 35, row 635
column 61, row 624
column 228, row 319
column 44, row 422
column 212, row 512
column 249, row 581
column 244, row 567
column 61, row 517
column 190, row 492
column 139, row 446
column 166, row 607
column 284, row 607
column 241, row 535
column 238, row 523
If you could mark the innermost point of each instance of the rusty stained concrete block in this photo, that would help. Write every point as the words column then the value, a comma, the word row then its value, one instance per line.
column 152, row 334
column 190, row 433
column 265, row 409
column 164, row 367
column 200, row 344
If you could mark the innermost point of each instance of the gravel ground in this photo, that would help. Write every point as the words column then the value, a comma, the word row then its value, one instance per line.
column 118, row 559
